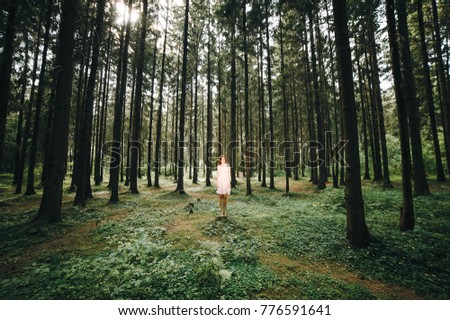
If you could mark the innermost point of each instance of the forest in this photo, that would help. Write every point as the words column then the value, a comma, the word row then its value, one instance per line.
column 334, row 117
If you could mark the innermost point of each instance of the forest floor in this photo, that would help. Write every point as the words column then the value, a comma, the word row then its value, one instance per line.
column 272, row 246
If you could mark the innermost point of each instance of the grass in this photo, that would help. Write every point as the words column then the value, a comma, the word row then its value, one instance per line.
column 272, row 246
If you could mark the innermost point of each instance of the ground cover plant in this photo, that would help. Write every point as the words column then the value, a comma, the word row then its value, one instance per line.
column 272, row 246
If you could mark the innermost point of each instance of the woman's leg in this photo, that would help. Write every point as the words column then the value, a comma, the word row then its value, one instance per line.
column 225, row 199
column 221, row 204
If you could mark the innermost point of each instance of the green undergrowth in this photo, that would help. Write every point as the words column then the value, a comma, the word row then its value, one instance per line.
column 163, row 245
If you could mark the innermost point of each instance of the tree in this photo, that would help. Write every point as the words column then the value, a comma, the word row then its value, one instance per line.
column 160, row 106
column 409, row 88
column 357, row 232
column 321, row 182
column 440, row 176
column 269, row 88
column 247, row 143
column 84, row 190
column 118, row 113
column 180, row 182
column 407, row 210
column 29, row 113
column 137, row 102
column 442, row 82
column 6, row 68
column 37, row 115
column 51, row 202
column 287, row 163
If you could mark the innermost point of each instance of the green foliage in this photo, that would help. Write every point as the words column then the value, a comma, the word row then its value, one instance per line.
column 269, row 247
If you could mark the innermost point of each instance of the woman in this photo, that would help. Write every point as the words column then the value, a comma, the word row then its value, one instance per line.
column 223, row 184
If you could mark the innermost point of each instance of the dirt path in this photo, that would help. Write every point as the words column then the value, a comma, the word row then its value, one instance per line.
column 190, row 227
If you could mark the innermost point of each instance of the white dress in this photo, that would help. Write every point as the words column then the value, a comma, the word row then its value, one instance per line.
column 223, row 179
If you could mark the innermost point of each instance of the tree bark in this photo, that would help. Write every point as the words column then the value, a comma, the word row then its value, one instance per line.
column 159, row 120
column 357, row 232
column 442, row 79
column 269, row 88
column 118, row 114
column 6, row 68
column 407, row 220
column 440, row 176
column 420, row 181
column 37, row 115
column 84, row 190
column 51, row 202
column 180, row 182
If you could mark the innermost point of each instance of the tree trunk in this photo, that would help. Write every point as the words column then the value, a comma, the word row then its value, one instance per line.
column 407, row 210
column 137, row 103
column 98, row 168
column 233, row 126
column 287, row 164
column 440, row 176
column 24, row 81
column 209, row 111
column 150, row 129
column 445, row 94
column 51, row 202
column 322, row 178
column 159, row 120
column 269, row 88
column 37, row 115
column 29, row 113
column 84, row 190
column 364, row 118
column 420, row 181
column 246, row 144
column 6, row 68
column 118, row 114
column 357, row 232
column 180, row 182
column 263, row 112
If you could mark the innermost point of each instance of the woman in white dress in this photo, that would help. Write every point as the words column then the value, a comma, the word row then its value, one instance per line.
column 223, row 184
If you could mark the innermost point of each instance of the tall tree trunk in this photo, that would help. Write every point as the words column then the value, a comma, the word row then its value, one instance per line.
column 150, row 128
column 321, row 183
column 420, row 181
column 233, row 126
column 194, row 152
column 407, row 210
column 98, row 168
column 84, row 190
column 247, row 144
column 159, row 120
column 440, row 176
column 269, row 88
column 335, row 103
column 209, row 111
column 357, row 232
column 6, row 68
column 263, row 112
column 379, row 103
column 51, row 202
column 118, row 114
column 37, row 115
column 23, row 91
column 287, row 163
column 445, row 94
column 180, row 182
column 372, row 106
column 135, row 149
column 84, row 63
column 364, row 118
column 29, row 113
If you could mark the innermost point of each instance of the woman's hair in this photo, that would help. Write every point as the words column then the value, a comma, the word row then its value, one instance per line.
column 222, row 156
